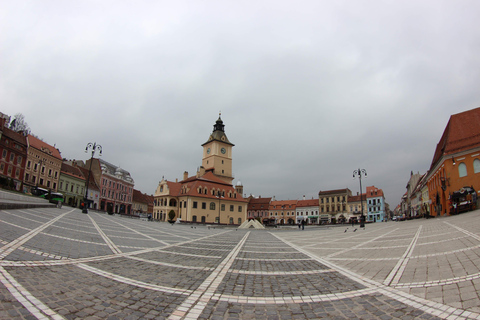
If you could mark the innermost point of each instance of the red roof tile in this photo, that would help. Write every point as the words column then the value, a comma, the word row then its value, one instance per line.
column 140, row 197
column 73, row 171
column 357, row 198
column 259, row 203
column 308, row 203
column 289, row 204
column 43, row 146
column 373, row 192
column 461, row 133
column 20, row 138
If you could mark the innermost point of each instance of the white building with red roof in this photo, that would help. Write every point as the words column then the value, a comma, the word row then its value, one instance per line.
column 307, row 209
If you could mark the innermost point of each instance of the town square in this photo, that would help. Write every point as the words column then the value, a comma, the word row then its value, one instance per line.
column 239, row 159
column 58, row 263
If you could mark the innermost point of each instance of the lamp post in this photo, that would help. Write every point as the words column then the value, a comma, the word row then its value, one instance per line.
column 359, row 173
column 219, row 195
column 94, row 147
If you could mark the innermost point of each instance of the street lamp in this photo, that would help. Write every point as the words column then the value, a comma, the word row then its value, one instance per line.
column 94, row 147
column 219, row 195
column 359, row 173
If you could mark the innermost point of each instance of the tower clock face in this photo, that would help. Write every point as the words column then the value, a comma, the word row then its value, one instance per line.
column 223, row 150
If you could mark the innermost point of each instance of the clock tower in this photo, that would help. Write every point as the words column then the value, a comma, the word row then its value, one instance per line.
column 217, row 153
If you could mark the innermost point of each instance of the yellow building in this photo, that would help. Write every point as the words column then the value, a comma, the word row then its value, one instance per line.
column 43, row 166
column 208, row 196
column 334, row 204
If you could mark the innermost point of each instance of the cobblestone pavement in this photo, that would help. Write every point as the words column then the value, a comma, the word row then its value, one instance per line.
column 62, row 264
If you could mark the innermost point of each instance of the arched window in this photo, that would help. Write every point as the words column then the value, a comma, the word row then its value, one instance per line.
column 462, row 170
column 239, row 220
column 212, row 205
column 231, row 221
column 194, row 219
column 476, row 166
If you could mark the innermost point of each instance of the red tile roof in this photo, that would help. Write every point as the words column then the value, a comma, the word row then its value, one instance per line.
column 209, row 181
column 20, row 138
column 357, row 198
column 259, row 203
column 308, row 203
column 92, row 185
column 323, row 193
column 288, row 204
column 174, row 188
column 373, row 192
column 461, row 133
column 140, row 197
column 73, row 171
column 43, row 146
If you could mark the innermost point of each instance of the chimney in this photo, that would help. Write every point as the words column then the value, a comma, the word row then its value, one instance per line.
column 185, row 175
column 303, row 197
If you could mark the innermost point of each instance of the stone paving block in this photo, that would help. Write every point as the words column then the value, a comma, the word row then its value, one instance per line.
column 140, row 270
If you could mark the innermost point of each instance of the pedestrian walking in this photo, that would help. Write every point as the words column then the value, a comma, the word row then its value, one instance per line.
column 303, row 224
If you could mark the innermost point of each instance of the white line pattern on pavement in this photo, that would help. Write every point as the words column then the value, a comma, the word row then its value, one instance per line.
column 397, row 271
column 107, row 240
column 193, row 306
column 32, row 304
column 12, row 246
column 434, row 308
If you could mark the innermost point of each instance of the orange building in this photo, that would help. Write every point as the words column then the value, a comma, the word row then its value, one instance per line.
column 282, row 212
column 456, row 162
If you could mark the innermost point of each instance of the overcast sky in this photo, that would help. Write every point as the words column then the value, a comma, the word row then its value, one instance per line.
column 309, row 90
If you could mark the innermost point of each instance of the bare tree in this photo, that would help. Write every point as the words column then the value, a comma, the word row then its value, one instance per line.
column 19, row 124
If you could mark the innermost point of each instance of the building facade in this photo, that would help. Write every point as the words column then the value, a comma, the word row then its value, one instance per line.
column 308, row 210
column 333, row 204
column 209, row 196
column 72, row 185
column 355, row 204
column 282, row 212
column 258, row 208
column 115, row 184
column 43, row 167
column 13, row 152
column 456, row 162
column 142, row 203
column 410, row 210
column 376, row 205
